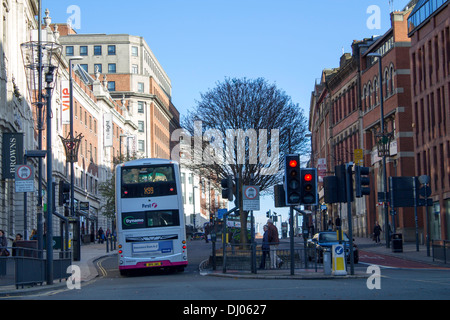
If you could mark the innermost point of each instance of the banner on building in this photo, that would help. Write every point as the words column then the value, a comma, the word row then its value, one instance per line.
column 108, row 129
column 65, row 101
column 321, row 168
column 12, row 154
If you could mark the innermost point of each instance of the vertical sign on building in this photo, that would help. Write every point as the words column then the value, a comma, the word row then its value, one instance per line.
column 321, row 168
column 358, row 157
column 108, row 129
column 65, row 104
column 12, row 154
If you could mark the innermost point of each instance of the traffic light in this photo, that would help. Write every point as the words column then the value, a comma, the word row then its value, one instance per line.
column 227, row 188
column 309, row 186
column 362, row 181
column 64, row 192
column 330, row 189
column 292, row 179
column 279, row 196
column 341, row 175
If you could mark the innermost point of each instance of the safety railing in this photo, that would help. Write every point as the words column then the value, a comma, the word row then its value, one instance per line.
column 441, row 250
column 239, row 258
column 27, row 267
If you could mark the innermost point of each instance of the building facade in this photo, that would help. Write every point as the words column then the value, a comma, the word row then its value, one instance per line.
column 345, row 113
column 16, row 113
column 429, row 30
column 393, row 47
column 134, row 76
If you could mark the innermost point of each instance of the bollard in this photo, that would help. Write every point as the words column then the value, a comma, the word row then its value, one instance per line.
column 339, row 267
column 107, row 247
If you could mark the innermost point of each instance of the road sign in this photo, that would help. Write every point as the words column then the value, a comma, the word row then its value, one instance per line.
column 221, row 213
column 84, row 206
column 251, row 198
column 24, row 178
column 339, row 260
column 359, row 157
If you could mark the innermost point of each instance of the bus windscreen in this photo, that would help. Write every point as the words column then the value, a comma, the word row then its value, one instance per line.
column 148, row 181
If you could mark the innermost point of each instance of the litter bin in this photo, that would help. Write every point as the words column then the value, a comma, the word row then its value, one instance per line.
column 397, row 242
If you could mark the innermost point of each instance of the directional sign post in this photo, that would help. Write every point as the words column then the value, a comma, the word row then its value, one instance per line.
column 24, row 178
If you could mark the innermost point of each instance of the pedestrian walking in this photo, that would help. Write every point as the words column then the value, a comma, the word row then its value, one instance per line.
column 101, row 235
column 34, row 235
column 14, row 244
column 376, row 232
column 3, row 252
column 265, row 247
column 3, row 244
column 274, row 241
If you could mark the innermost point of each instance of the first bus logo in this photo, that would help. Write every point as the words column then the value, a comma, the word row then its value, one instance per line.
column 149, row 206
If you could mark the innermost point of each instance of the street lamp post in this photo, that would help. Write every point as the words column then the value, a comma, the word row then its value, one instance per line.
column 193, row 199
column 385, row 207
column 47, row 65
column 77, row 247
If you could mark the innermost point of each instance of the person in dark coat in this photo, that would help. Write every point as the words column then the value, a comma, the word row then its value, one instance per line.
column 376, row 232
column 265, row 247
column 274, row 241
column 3, row 244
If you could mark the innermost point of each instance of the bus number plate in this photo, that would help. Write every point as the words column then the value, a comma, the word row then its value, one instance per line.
column 153, row 264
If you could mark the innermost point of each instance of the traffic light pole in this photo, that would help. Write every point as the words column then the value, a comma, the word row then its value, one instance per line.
column 224, row 240
column 348, row 177
column 291, row 235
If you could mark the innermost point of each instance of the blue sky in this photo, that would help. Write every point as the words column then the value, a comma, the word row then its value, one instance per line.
column 200, row 42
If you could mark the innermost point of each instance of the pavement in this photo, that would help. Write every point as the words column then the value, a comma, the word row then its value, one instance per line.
column 90, row 253
column 370, row 253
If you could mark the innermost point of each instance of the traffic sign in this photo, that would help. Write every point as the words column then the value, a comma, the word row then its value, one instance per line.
column 24, row 178
column 251, row 198
column 221, row 213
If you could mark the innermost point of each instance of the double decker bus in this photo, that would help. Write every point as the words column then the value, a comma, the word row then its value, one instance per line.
column 150, row 217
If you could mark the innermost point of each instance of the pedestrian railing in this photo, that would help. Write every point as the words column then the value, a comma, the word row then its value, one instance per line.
column 441, row 250
column 27, row 267
column 239, row 258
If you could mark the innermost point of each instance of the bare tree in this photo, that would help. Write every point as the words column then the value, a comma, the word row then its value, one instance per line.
column 243, row 127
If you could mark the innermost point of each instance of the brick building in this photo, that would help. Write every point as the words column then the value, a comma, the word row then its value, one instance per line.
column 429, row 30
column 345, row 118
column 395, row 82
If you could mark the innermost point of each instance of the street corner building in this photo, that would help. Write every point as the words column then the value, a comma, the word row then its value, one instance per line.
column 121, row 106
column 415, row 83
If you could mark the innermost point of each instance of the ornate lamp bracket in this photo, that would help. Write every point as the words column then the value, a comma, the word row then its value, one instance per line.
column 71, row 147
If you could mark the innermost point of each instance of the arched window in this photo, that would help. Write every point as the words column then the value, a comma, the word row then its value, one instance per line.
column 386, row 83
column 369, row 95
column 391, row 77
column 375, row 91
column 364, row 99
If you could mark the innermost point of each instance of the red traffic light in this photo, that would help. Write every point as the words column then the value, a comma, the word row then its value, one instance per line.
column 293, row 163
column 308, row 177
